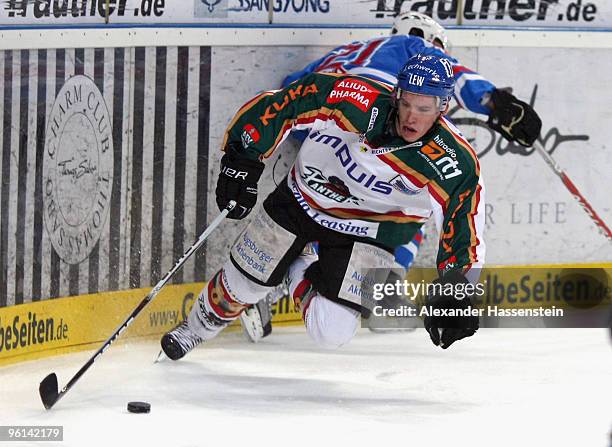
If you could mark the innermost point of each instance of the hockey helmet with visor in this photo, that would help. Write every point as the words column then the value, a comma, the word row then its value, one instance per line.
column 416, row 24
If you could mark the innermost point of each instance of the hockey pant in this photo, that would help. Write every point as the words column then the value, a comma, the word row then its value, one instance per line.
column 322, row 286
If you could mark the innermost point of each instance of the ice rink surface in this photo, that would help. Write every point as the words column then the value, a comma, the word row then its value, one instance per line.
column 502, row 387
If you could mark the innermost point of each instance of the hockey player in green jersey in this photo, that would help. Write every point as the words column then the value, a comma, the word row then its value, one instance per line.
column 377, row 163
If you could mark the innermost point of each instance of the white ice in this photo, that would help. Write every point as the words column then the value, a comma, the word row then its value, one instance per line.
column 502, row 387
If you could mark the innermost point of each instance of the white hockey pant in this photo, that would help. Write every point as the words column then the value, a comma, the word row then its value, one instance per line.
column 229, row 292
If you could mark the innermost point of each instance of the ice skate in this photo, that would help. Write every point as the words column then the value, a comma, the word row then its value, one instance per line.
column 256, row 320
column 179, row 341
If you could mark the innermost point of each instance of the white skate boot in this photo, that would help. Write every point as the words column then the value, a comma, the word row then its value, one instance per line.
column 257, row 320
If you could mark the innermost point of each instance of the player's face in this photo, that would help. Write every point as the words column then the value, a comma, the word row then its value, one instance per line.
column 416, row 115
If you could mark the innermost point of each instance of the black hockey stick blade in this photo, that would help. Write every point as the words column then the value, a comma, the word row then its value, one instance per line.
column 48, row 390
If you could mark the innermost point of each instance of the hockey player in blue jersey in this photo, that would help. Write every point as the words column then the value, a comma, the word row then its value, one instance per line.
column 381, row 59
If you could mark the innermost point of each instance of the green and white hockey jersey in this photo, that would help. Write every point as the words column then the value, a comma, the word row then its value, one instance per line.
column 351, row 175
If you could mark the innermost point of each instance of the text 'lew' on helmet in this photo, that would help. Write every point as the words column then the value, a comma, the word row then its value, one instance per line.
column 429, row 75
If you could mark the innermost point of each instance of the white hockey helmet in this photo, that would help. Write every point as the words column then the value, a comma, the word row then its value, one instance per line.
column 421, row 25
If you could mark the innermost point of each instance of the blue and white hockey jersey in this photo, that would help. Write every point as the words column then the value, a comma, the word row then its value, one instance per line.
column 382, row 58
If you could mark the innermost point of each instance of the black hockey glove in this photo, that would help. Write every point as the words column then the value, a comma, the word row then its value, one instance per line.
column 514, row 119
column 445, row 330
column 238, row 181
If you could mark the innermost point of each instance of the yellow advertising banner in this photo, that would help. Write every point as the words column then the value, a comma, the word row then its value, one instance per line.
column 50, row 327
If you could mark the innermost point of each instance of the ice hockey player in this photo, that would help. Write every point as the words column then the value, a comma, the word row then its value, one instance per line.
column 381, row 59
column 375, row 163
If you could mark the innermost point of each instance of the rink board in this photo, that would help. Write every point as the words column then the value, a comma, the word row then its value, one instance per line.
column 148, row 168
column 99, row 217
column 51, row 327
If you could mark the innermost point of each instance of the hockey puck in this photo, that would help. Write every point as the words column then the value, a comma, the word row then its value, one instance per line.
column 139, row 407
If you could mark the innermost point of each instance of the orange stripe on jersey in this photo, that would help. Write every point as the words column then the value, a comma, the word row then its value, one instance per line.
column 329, row 73
column 287, row 125
column 304, row 118
column 438, row 194
column 306, row 197
column 474, row 241
column 241, row 112
column 370, row 80
column 436, row 191
column 378, row 83
column 473, row 210
column 393, row 216
column 467, row 146
column 342, row 121
column 462, row 141
column 324, row 113
column 402, row 168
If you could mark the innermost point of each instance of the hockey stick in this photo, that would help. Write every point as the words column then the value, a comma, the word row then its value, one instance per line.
column 48, row 388
column 603, row 228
